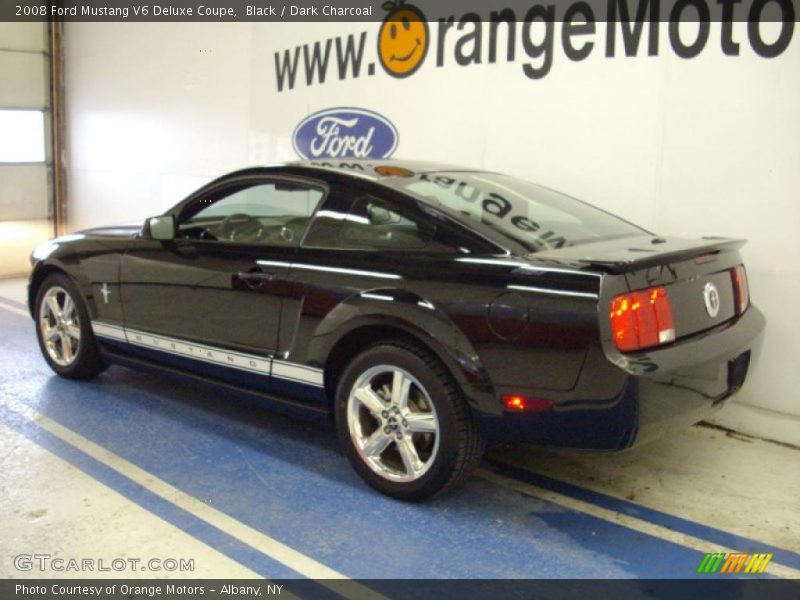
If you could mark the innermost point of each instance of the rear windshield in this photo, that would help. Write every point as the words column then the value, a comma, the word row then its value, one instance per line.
column 536, row 217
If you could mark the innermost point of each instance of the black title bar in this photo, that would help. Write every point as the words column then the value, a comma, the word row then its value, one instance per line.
column 712, row 588
column 378, row 10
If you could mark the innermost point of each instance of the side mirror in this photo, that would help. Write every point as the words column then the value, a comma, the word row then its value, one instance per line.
column 161, row 228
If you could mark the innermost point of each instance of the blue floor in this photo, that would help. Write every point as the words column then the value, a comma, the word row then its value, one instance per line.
column 288, row 479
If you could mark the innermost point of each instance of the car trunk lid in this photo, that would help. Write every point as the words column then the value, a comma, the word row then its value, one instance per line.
column 698, row 275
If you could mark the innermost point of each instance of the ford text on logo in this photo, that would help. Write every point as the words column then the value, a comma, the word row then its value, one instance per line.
column 345, row 133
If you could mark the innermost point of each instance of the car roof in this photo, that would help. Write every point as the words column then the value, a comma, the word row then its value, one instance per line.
column 378, row 168
column 369, row 169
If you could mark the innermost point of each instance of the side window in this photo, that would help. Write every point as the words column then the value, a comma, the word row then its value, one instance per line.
column 370, row 224
column 274, row 213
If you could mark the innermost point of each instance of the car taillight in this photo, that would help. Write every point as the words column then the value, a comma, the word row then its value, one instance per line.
column 642, row 319
column 740, row 289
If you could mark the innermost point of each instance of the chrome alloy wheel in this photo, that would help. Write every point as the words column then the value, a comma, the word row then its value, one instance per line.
column 392, row 423
column 60, row 326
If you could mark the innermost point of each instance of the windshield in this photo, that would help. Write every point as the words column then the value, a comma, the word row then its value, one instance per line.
column 534, row 216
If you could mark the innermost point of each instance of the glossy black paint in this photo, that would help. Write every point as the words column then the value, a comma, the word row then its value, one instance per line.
column 502, row 320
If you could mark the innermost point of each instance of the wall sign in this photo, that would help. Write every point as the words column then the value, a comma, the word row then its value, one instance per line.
column 345, row 133
column 535, row 36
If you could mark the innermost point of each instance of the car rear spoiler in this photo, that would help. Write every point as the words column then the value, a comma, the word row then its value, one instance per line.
column 632, row 254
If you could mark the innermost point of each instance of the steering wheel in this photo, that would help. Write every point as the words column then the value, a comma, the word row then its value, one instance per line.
column 238, row 223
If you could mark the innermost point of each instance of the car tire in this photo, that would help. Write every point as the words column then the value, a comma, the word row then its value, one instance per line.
column 64, row 330
column 413, row 443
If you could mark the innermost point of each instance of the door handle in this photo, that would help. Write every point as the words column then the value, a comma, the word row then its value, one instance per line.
column 254, row 279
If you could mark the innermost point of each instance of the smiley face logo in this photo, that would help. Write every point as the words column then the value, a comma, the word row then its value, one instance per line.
column 393, row 171
column 402, row 39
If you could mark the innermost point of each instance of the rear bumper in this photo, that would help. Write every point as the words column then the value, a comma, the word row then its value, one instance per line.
column 624, row 400
column 693, row 379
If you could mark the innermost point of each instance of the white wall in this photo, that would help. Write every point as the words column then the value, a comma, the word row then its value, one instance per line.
column 153, row 111
column 706, row 146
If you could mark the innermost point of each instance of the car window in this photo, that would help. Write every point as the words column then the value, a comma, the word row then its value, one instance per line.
column 534, row 216
column 275, row 213
column 370, row 224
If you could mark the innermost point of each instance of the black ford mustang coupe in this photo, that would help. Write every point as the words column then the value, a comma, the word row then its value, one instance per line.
column 427, row 308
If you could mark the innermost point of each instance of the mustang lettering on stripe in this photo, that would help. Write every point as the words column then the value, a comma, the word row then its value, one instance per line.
column 263, row 365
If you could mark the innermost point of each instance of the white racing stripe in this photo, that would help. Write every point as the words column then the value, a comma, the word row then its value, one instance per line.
column 299, row 373
column 201, row 352
column 107, row 330
column 210, row 354
column 261, row 365
column 271, row 547
column 606, row 514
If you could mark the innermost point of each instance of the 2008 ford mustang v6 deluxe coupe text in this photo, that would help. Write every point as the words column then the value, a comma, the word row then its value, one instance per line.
column 427, row 308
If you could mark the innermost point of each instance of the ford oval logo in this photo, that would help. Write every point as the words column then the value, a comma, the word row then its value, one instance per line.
column 345, row 133
column 711, row 299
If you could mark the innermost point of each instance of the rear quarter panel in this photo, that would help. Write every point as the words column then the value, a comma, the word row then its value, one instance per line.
column 489, row 335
